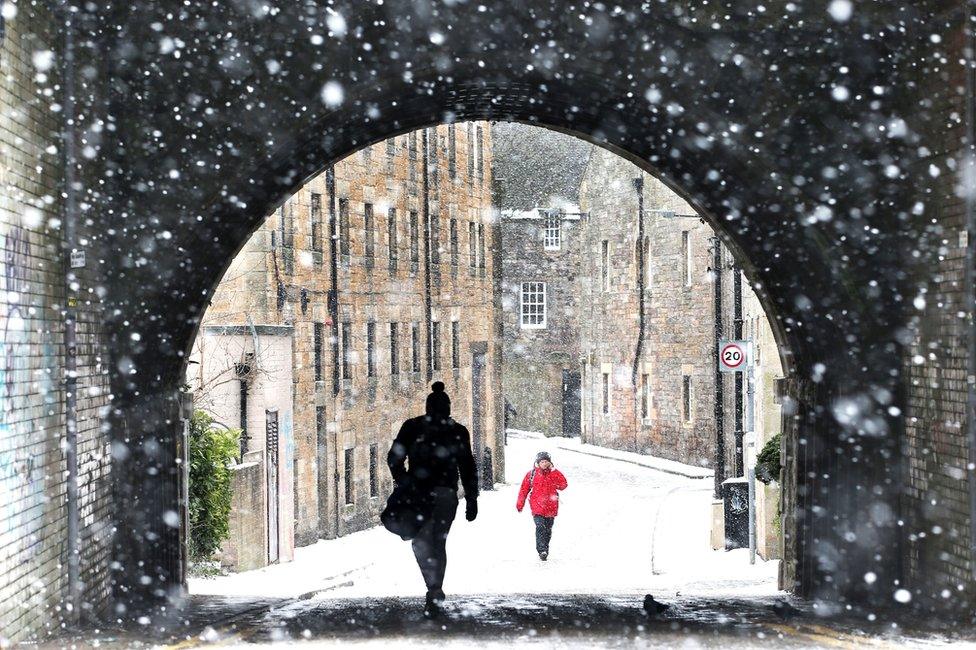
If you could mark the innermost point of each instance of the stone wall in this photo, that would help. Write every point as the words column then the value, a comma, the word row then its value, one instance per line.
column 535, row 358
column 678, row 335
column 246, row 547
column 33, row 540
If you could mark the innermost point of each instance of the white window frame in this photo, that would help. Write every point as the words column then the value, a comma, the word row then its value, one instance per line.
column 552, row 233
column 535, row 288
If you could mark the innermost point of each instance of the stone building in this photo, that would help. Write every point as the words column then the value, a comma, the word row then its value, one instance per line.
column 647, row 343
column 648, row 335
column 384, row 268
column 541, row 263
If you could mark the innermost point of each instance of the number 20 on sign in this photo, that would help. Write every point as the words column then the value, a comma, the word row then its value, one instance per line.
column 734, row 356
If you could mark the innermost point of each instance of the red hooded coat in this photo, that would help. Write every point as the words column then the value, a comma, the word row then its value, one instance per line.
column 544, row 499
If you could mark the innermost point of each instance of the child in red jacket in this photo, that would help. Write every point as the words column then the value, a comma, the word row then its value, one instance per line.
column 543, row 483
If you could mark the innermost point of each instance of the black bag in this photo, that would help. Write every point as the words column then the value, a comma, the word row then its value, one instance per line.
column 406, row 511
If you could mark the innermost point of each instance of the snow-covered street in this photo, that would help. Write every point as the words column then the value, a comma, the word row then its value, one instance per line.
column 623, row 528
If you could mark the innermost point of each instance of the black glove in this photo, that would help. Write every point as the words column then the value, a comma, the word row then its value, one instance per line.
column 471, row 509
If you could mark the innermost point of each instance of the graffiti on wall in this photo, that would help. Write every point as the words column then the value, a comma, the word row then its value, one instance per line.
column 21, row 482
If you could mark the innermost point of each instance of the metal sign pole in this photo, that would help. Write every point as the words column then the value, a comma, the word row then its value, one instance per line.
column 752, row 515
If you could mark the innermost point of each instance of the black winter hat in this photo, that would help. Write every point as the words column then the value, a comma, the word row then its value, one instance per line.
column 543, row 455
column 438, row 402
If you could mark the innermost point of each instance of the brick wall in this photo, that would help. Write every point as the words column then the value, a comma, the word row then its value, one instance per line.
column 33, row 550
column 937, row 497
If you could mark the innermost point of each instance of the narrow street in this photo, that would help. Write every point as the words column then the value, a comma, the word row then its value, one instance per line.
column 624, row 530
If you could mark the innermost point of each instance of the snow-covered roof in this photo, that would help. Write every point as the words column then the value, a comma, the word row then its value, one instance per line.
column 569, row 212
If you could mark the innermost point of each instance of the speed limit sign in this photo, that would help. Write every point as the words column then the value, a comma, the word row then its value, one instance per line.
column 734, row 356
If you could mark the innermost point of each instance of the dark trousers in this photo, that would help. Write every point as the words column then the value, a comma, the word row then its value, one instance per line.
column 543, row 532
column 430, row 544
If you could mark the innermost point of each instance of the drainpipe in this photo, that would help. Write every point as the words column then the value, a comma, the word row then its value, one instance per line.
column 334, row 317
column 334, row 277
column 970, row 277
column 719, row 392
column 427, row 298
column 70, row 321
column 639, row 187
column 737, row 335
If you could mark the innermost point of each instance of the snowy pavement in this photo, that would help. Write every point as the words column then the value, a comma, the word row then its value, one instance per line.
column 623, row 528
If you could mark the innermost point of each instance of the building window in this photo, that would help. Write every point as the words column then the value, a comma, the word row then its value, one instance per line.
column 320, row 425
column 686, row 256
column 686, row 398
column 472, row 248
column 606, row 392
column 391, row 147
column 454, row 247
column 370, row 349
column 645, row 396
column 470, row 142
column 412, row 156
column 287, row 220
column 414, row 242
column 350, row 468
column 432, row 166
column 415, row 347
column 435, row 345
column 287, row 228
column 346, row 349
column 647, row 263
column 316, row 217
column 452, row 151
column 553, row 239
column 344, row 229
column 374, row 486
column 394, row 350
column 391, row 234
column 605, row 265
column 455, row 344
column 533, row 306
column 318, row 336
column 481, row 249
column 435, row 239
column 481, row 155
column 370, row 232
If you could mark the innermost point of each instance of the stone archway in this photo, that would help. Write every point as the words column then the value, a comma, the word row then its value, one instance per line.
column 759, row 119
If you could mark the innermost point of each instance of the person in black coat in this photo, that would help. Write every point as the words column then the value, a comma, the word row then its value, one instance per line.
column 429, row 454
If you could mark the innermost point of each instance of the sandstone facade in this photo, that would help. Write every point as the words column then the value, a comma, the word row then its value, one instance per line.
column 344, row 262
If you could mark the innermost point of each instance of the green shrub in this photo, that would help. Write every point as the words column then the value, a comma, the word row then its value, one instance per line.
column 212, row 449
column 767, row 462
